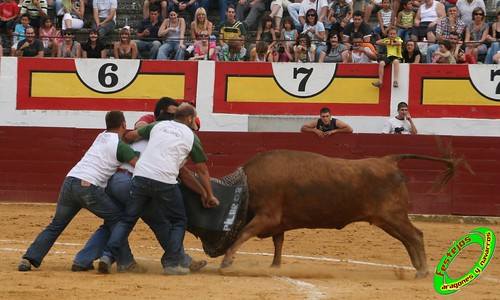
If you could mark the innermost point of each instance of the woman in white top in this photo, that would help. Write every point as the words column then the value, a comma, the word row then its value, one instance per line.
column 74, row 18
column 172, row 30
column 425, row 20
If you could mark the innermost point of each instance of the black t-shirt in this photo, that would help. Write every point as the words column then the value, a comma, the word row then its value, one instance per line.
column 32, row 50
column 321, row 126
column 93, row 52
column 365, row 29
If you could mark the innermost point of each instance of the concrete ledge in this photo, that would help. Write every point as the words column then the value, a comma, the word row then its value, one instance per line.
column 456, row 219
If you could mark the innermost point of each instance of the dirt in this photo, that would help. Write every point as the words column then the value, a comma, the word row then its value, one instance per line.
column 358, row 262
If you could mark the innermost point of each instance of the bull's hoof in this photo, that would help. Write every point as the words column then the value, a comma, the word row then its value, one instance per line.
column 421, row 274
column 225, row 264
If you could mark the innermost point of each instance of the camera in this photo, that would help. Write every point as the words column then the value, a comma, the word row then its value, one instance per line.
column 281, row 49
column 399, row 130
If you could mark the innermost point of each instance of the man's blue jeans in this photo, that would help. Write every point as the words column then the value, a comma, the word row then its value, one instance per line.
column 169, row 205
column 75, row 194
column 151, row 46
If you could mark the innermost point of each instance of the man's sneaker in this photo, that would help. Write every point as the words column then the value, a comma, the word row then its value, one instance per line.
column 24, row 265
column 197, row 265
column 76, row 267
column 178, row 270
column 132, row 268
column 377, row 84
column 104, row 265
column 395, row 84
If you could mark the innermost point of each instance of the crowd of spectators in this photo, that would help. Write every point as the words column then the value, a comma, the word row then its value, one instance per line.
column 431, row 31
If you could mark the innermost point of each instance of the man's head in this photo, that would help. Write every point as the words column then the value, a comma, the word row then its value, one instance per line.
column 25, row 20
column 230, row 13
column 154, row 13
column 402, row 110
column 357, row 18
column 325, row 115
column 115, row 120
column 454, row 37
column 165, row 105
column 30, row 33
column 186, row 114
column 357, row 39
column 452, row 11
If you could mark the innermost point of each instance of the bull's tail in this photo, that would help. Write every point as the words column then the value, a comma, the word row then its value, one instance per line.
column 448, row 160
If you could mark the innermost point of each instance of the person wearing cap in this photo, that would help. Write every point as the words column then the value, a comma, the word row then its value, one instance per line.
column 326, row 125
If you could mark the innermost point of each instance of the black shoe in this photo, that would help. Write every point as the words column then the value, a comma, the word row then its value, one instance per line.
column 24, row 265
column 76, row 267
column 105, row 265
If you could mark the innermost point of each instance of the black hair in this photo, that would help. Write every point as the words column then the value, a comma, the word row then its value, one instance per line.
column 154, row 7
column 114, row 119
column 402, row 104
column 324, row 110
column 309, row 11
column 163, row 104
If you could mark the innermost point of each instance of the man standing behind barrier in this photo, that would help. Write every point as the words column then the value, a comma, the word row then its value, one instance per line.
column 84, row 188
column 155, row 179
column 326, row 125
column 402, row 123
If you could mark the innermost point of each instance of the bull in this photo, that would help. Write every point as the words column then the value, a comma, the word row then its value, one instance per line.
column 292, row 189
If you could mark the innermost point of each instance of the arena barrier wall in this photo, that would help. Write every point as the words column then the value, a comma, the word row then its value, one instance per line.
column 35, row 160
column 248, row 96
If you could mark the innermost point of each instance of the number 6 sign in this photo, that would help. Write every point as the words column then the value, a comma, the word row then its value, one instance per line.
column 107, row 75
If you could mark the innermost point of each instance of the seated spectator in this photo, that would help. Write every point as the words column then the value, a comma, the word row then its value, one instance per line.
column 249, row 11
column 172, row 30
column 339, row 14
column 125, row 48
column 465, row 8
column 36, row 9
column 304, row 50
column 426, row 18
column 443, row 55
column 147, row 33
column 19, row 33
column 204, row 49
column 277, row 9
column 200, row 24
column 384, row 20
column 50, row 36
column 74, row 19
column 30, row 46
column 230, row 28
column 402, row 123
column 334, row 52
column 405, row 20
column 496, row 58
column 184, row 5
column 393, row 44
column 456, row 50
column 266, row 32
column 361, row 52
column 220, row 5
column 357, row 26
column 315, row 30
column 232, row 51
column 411, row 53
column 319, row 6
column 69, row 48
column 160, row 3
column 373, row 6
column 494, row 38
column 94, row 48
column 104, row 12
column 283, row 54
column 326, row 125
column 8, row 15
column 289, row 34
column 476, row 33
column 261, row 53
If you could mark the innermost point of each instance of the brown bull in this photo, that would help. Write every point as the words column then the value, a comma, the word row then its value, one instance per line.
column 292, row 189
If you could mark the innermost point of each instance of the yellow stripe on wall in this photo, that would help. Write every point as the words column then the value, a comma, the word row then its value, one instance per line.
column 452, row 92
column 145, row 86
column 265, row 89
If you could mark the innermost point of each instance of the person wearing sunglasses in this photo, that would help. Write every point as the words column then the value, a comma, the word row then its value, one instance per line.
column 204, row 49
column 476, row 34
column 320, row 6
column 69, row 48
column 466, row 7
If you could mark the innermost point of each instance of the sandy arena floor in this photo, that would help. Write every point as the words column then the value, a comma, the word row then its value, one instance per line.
column 358, row 262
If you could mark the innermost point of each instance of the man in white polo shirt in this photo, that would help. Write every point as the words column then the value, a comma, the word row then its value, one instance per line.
column 155, row 179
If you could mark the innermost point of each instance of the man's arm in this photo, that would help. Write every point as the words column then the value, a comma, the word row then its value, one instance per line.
column 190, row 181
column 210, row 200
column 311, row 127
column 342, row 127
column 413, row 128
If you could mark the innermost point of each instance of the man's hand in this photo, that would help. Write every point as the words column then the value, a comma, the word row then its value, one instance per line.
column 210, row 202
column 319, row 133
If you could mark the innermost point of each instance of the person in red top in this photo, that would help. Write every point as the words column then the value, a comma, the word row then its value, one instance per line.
column 163, row 106
column 8, row 15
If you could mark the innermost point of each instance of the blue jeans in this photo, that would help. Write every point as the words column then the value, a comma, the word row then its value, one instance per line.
column 168, row 202
column 494, row 48
column 220, row 5
column 72, row 197
column 404, row 34
column 118, row 190
column 293, row 11
column 151, row 46
column 192, row 9
column 430, row 52
column 167, row 48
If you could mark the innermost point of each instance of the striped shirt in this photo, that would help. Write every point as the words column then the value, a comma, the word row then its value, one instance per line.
column 30, row 8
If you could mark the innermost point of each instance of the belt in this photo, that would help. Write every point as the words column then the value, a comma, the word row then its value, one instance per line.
column 125, row 171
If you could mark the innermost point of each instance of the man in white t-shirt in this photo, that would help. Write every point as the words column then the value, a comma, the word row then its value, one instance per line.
column 465, row 8
column 402, row 123
column 155, row 179
column 104, row 16
column 84, row 187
